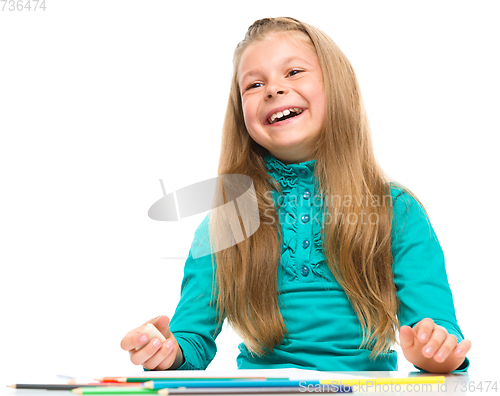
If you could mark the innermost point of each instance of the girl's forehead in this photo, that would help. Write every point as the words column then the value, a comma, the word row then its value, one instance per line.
column 293, row 37
column 289, row 42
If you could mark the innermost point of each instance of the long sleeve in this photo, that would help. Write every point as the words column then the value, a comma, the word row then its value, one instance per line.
column 419, row 270
column 194, row 323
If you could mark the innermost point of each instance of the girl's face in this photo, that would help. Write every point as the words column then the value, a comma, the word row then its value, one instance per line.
column 277, row 76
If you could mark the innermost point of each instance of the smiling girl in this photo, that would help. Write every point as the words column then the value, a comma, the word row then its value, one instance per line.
column 323, row 284
column 293, row 87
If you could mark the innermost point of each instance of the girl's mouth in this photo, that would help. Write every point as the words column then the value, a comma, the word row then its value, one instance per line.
column 286, row 121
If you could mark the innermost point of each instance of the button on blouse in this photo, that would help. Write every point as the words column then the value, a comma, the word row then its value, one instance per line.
column 300, row 218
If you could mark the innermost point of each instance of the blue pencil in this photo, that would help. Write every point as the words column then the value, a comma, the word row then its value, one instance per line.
column 233, row 384
column 244, row 391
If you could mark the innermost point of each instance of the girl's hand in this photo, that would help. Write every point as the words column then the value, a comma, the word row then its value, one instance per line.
column 156, row 355
column 444, row 355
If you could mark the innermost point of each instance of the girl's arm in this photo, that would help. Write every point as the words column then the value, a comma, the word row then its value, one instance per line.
column 194, row 321
column 419, row 270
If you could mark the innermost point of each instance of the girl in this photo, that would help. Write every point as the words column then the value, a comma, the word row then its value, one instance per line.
column 353, row 259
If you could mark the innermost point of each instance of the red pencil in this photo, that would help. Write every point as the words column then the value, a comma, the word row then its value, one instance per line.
column 131, row 379
column 73, row 382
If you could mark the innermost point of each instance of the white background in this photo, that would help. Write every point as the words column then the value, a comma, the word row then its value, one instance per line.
column 101, row 99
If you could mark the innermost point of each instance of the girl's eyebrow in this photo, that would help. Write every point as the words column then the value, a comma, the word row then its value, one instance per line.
column 283, row 62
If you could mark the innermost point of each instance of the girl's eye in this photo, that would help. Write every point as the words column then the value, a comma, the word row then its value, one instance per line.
column 289, row 73
column 252, row 86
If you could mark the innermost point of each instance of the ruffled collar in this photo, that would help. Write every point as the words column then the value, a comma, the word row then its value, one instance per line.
column 278, row 169
column 289, row 175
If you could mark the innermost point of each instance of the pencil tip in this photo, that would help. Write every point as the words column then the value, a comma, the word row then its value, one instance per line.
column 78, row 391
column 11, row 386
column 72, row 382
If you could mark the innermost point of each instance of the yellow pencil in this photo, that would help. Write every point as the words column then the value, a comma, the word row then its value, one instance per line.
column 438, row 379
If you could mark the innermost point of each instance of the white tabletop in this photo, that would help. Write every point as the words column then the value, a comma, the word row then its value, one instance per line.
column 459, row 383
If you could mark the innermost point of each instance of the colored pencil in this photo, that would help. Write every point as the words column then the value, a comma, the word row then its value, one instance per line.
column 224, row 384
column 109, row 390
column 144, row 379
column 253, row 390
column 108, row 382
column 259, row 383
column 173, row 387
column 438, row 379
column 64, row 386
column 198, row 391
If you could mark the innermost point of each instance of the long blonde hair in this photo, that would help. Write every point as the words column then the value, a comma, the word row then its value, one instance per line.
column 359, row 255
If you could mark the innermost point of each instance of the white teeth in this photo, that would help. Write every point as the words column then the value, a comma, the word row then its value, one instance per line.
column 286, row 112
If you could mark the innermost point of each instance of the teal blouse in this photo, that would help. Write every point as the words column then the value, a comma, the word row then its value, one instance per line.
column 324, row 331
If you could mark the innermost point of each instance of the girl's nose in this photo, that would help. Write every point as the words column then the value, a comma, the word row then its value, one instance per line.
column 275, row 87
column 281, row 92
